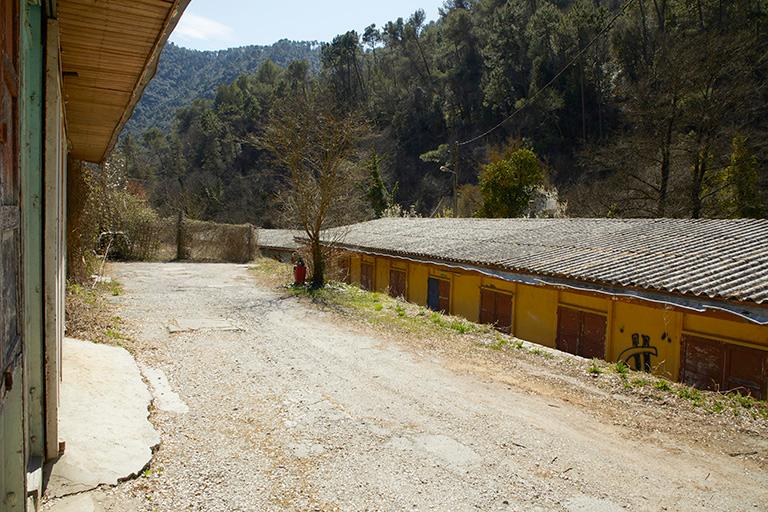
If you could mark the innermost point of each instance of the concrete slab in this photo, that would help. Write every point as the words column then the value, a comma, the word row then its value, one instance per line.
column 165, row 399
column 181, row 325
column 104, row 419
column 78, row 503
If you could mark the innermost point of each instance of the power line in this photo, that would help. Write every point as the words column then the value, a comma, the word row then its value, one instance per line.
column 578, row 55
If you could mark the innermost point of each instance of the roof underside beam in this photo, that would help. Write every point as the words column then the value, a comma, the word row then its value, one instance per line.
column 109, row 53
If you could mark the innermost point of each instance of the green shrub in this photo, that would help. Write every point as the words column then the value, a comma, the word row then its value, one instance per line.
column 692, row 394
column 141, row 225
column 621, row 368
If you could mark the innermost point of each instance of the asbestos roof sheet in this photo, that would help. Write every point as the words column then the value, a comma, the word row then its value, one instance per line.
column 278, row 238
column 718, row 259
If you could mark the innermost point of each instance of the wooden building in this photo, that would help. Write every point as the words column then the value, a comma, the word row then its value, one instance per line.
column 685, row 299
column 71, row 73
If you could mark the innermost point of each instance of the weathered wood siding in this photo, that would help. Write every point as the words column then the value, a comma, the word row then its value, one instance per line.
column 12, row 435
column 55, row 239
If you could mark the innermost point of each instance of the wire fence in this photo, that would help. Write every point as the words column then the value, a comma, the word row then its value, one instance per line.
column 165, row 239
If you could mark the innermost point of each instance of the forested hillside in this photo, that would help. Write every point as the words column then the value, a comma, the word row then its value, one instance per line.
column 184, row 75
column 636, row 108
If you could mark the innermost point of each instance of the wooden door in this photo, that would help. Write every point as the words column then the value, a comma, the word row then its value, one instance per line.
column 487, row 307
column 439, row 295
column 496, row 309
column 345, row 274
column 581, row 333
column 366, row 276
column 397, row 282
column 10, row 300
column 746, row 371
column 14, row 437
column 719, row 366
column 703, row 361
column 592, row 339
column 504, row 312
column 568, row 330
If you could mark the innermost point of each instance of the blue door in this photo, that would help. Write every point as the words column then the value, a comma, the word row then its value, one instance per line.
column 438, row 294
column 433, row 294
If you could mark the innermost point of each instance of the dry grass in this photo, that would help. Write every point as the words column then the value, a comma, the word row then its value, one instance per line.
column 90, row 316
column 271, row 273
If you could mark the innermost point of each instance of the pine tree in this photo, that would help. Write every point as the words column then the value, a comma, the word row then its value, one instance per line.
column 744, row 180
column 378, row 195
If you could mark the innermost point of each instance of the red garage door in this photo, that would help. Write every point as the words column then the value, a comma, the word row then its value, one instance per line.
column 581, row 333
column 496, row 309
column 397, row 280
column 719, row 366
column 344, row 269
column 366, row 276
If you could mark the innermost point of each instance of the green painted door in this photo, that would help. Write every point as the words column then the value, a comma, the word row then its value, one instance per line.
column 12, row 434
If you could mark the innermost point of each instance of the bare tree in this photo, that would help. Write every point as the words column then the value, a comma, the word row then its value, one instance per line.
column 317, row 146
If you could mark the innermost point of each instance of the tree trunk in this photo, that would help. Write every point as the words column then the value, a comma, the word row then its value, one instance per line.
column 665, row 169
column 423, row 57
column 699, row 169
column 181, row 237
column 644, row 28
column 360, row 79
column 318, row 265
column 583, row 106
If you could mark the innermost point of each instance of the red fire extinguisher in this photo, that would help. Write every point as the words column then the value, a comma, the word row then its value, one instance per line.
column 299, row 273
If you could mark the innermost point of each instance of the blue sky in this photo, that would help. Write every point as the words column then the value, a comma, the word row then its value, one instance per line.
column 218, row 24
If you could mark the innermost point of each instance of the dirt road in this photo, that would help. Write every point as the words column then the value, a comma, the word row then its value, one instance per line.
column 291, row 409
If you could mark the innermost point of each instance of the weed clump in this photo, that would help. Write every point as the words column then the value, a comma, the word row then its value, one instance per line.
column 595, row 369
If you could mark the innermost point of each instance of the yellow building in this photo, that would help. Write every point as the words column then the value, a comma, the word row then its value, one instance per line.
column 685, row 299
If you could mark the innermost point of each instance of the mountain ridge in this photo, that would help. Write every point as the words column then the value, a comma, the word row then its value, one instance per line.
column 184, row 75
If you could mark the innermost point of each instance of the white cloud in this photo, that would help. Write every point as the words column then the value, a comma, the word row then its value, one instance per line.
column 192, row 27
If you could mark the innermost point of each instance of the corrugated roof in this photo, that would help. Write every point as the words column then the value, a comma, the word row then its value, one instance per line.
column 719, row 259
column 277, row 238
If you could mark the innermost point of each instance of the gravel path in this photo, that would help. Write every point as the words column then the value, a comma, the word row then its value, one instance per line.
column 294, row 410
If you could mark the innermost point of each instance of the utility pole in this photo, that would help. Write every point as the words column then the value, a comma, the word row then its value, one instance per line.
column 456, row 161
column 454, row 169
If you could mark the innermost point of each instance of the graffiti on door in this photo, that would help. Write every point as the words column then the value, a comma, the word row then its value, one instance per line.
column 639, row 355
